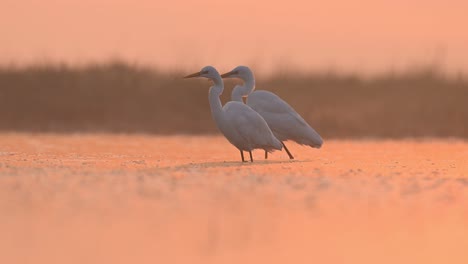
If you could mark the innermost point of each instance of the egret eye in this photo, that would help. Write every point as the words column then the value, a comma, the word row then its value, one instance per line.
column 204, row 72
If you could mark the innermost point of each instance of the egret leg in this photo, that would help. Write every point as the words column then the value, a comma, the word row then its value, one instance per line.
column 266, row 154
column 242, row 155
column 251, row 159
column 287, row 151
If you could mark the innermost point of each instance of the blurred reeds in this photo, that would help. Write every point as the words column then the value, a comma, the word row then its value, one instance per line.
column 119, row 97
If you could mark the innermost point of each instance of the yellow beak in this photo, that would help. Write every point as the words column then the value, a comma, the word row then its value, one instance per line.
column 197, row 74
column 227, row 74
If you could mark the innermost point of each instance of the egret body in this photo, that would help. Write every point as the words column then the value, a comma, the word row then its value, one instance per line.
column 283, row 120
column 241, row 125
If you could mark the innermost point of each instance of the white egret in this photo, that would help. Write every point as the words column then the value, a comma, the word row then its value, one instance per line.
column 282, row 119
column 241, row 125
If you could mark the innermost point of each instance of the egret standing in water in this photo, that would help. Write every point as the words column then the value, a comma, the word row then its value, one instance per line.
column 282, row 119
column 241, row 125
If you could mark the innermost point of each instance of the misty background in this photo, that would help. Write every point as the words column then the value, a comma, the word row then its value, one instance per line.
column 124, row 98
column 352, row 69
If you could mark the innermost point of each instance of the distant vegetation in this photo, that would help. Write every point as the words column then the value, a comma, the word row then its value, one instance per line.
column 118, row 97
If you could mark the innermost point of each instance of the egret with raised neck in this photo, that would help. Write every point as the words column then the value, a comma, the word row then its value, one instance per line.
column 283, row 120
column 241, row 125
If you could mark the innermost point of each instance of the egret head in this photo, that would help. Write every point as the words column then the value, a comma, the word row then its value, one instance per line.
column 241, row 72
column 207, row 72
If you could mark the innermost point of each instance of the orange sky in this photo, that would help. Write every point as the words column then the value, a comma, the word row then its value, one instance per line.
column 363, row 36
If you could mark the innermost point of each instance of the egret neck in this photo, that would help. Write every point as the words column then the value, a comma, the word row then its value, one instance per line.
column 213, row 96
column 245, row 89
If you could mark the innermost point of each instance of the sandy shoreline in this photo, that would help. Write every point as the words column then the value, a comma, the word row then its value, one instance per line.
column 187, row 199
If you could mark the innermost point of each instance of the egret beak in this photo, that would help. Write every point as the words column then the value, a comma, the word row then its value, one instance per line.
column 197, row 74
column 226, row 75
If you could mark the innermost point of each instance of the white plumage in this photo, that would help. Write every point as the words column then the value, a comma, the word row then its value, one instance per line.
column 283, row 120
column 240, row 124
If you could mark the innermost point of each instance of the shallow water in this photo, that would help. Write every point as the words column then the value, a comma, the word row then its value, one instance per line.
column 186, row 199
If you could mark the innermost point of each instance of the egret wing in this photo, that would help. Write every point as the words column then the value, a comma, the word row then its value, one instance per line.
column 283, row 120
column 250, row 126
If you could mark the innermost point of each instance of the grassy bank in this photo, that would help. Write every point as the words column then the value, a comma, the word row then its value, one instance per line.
column 118, row 97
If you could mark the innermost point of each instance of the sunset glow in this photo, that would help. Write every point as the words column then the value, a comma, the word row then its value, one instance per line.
column 357, row 36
